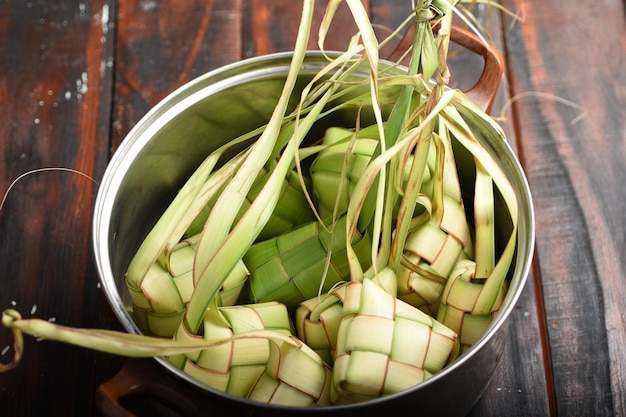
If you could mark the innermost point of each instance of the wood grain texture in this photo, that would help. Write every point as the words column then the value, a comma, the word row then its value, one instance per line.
column 76, row 76
column 163, row 44
column 576, row 166
column 51, row 84
column 272, row 26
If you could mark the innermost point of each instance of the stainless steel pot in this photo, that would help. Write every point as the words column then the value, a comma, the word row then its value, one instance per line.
column 166, row 146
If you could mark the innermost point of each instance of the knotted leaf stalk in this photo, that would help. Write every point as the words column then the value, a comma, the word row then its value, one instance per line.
column 368, row 270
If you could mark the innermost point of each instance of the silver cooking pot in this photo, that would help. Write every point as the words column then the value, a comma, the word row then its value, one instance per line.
column 166, row 146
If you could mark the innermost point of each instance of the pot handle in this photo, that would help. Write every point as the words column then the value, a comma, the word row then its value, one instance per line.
column 484, row 91
column 140, row 389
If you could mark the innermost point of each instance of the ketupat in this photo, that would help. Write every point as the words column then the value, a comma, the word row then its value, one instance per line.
column 234, row 367
column 303, row 262
column 385, row 345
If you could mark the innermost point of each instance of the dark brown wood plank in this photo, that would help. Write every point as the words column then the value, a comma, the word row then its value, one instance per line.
column 163, row 44
column 75, row 74
column 576, row 166
column 272, row 26
column 54, row 84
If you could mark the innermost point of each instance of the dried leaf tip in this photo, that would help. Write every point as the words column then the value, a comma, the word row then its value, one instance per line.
column 9, row 317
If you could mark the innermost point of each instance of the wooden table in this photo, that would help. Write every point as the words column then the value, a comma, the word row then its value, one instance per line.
column 75, row 76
